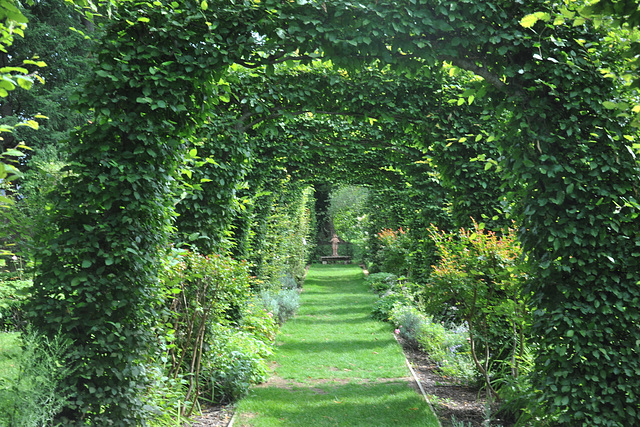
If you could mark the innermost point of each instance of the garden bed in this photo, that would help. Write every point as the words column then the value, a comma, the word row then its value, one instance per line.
column 214, row 416
column 449, row 399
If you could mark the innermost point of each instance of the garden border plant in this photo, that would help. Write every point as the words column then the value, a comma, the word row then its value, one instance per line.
column 481, row 276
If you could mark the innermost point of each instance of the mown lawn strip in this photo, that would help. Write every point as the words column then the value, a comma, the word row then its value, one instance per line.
column 334, row 365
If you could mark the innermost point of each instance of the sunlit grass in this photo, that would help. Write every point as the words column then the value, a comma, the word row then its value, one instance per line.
column 335, row 365
column 378, row 404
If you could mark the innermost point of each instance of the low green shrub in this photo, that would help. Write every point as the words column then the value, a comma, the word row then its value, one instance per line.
column 517, row 394
column 289, row 302
column 383, row 306
column 268, row 301
column 448, row 347
column 164, row 398
column 283, row 304
column 287, row 281
column 381, row 282
column 408, row 320
column 13, row 294
column 235, row 361
column 258, row 321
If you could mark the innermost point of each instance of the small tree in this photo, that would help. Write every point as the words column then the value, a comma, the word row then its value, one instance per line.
column 479, row 278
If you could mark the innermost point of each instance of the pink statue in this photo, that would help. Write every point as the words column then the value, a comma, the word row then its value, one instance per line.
column 334, row 244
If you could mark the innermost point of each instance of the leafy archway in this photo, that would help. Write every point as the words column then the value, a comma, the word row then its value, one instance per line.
column 162, row 66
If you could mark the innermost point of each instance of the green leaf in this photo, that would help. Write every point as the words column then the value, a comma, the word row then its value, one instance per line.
column 529, row 21
column 36, row 63
column 570, row 188
column 12, row 152
column 579, row 21
column 30, row 123
column 24, row 82
column 269, row 70
column 567, row 13
column 8, row 70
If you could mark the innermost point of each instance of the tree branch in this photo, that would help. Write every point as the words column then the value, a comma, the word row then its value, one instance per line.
column 272, row 60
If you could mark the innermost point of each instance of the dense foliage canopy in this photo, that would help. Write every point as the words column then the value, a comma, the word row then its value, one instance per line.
column 221, row 92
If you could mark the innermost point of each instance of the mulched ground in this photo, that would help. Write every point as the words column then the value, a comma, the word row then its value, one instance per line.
column 214, row 416
column 449, row 400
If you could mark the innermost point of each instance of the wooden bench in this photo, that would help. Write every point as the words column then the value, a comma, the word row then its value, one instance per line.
column 335, row 259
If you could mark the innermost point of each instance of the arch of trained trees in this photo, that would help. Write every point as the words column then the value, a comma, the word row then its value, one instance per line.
column 305, row 81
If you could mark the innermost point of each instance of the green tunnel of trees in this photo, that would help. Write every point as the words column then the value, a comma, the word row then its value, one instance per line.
column 507, row 110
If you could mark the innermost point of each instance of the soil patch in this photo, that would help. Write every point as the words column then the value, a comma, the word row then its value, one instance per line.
column 450, row 401
column 213, row 416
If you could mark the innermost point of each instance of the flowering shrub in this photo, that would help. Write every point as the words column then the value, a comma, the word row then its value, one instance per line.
column 480, row 277
column 259, row 322
column 389, row 237
column 384, row 305
column 393, row 254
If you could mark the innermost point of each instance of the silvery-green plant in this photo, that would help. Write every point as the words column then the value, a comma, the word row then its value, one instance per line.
column 283, row 304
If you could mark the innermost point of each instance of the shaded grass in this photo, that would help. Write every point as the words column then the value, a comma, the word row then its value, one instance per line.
column 10, row 352
column 335, row 348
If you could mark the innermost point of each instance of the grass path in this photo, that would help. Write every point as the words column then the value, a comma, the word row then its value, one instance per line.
column 334, row 365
